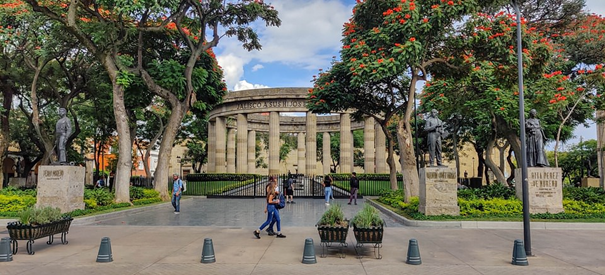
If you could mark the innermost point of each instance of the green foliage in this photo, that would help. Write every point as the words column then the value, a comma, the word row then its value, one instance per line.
column 590, row 195
column 34, row 215
column 16, row 203
column 391, row 197
column 90, row 204
column 146, row 201
column 491, row 191
column 480, row 207
column 102, row 196
column 491, row 204
column 367, row 217
column 334, row 216
column 10, row 191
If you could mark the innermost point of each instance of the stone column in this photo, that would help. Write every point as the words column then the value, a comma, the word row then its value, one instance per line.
column 274, row 143
column 345, row 144
column 368, row 146
column 252, row 152
column 301, row 153
column 327, row 156
column 380, row 141
column 221, row 132
column 211, row 167
column 311, row 153
column 231, row 150
column 242, row 144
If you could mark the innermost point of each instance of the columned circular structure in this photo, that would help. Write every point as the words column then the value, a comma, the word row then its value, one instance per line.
column 244, row 113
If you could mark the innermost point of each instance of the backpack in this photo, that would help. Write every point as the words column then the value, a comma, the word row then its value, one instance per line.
column 288, row 184
column 282, row 202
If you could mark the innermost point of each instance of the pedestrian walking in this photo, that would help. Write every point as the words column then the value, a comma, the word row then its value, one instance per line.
column 271, row 210
column 177, row 185
column 289, row 189
column 272, row 185
column 327, row 184
column 354, row 183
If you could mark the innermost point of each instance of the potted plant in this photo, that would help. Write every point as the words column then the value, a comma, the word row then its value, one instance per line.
column 35, row 223
column 333, row 228
column 368, row 227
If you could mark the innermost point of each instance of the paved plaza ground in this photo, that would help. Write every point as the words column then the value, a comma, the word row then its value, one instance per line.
column 153, row 240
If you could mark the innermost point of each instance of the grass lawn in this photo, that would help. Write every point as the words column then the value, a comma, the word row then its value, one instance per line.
column 368, row 188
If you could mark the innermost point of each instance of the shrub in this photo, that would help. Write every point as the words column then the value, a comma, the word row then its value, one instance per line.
column 585, row 194
column 146, row 201
column 391, row 197
column 150, row 194
column 367, row 217
column 43, row 215
column 136, row 192
column 12, row 191
column 102, row 196
column 15, row 202
column 90, row 204
column 496, row 190
column 334, row 216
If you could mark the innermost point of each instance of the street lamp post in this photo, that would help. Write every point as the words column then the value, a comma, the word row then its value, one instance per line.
column 473, row 168
column 523, row 157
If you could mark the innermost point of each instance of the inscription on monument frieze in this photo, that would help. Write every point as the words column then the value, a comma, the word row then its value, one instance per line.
column 271, row 104
column 545, row 184
column 53, row 174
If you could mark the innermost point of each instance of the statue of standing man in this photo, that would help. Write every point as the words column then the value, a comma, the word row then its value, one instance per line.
column 434, row 128
column 62, row 132
column 535, row 141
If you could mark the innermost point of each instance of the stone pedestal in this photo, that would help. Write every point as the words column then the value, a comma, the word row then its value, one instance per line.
column 590, row 182
column 61, row 186
column 438, row 191
column 545, row 189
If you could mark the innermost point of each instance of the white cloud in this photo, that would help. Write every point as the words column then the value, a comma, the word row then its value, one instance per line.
column 257, row 67
column 244, row 85
column 233, row 68
column 308, row 37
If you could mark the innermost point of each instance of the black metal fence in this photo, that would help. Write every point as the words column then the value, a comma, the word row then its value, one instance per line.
column 239, row 186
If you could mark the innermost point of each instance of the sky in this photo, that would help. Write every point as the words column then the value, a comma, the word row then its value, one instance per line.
column 307, row 40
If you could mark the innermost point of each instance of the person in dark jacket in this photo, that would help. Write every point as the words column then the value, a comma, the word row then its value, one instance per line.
column 354, row 182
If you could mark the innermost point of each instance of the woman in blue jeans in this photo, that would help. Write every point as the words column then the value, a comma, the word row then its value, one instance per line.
column 271, row 211
column 327, row 184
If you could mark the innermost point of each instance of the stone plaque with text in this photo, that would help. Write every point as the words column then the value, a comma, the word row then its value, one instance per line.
column 61, row 186
column 438, row 191
column 545, row 189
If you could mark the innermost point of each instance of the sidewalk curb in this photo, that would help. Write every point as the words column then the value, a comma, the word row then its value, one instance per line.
column 486, row 224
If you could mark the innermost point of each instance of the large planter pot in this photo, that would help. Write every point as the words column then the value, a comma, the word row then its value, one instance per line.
column 329, row 235
column 18, row 231
column 368, row 235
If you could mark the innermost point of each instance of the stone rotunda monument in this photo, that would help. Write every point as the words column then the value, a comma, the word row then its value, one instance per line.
column 259, row 110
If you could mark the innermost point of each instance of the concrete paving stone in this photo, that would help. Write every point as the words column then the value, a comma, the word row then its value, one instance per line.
column 154, row 240
column 197, row 268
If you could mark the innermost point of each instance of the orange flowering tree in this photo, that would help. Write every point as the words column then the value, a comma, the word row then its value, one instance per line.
column 485, row 90
column 388, row 47
column 129, row 39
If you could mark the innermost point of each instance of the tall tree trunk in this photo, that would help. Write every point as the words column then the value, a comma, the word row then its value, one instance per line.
column 491, row 164
column 7, row 103
column 122, row 177
column 408, row 161
column 162, row 177
column 48, row 145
